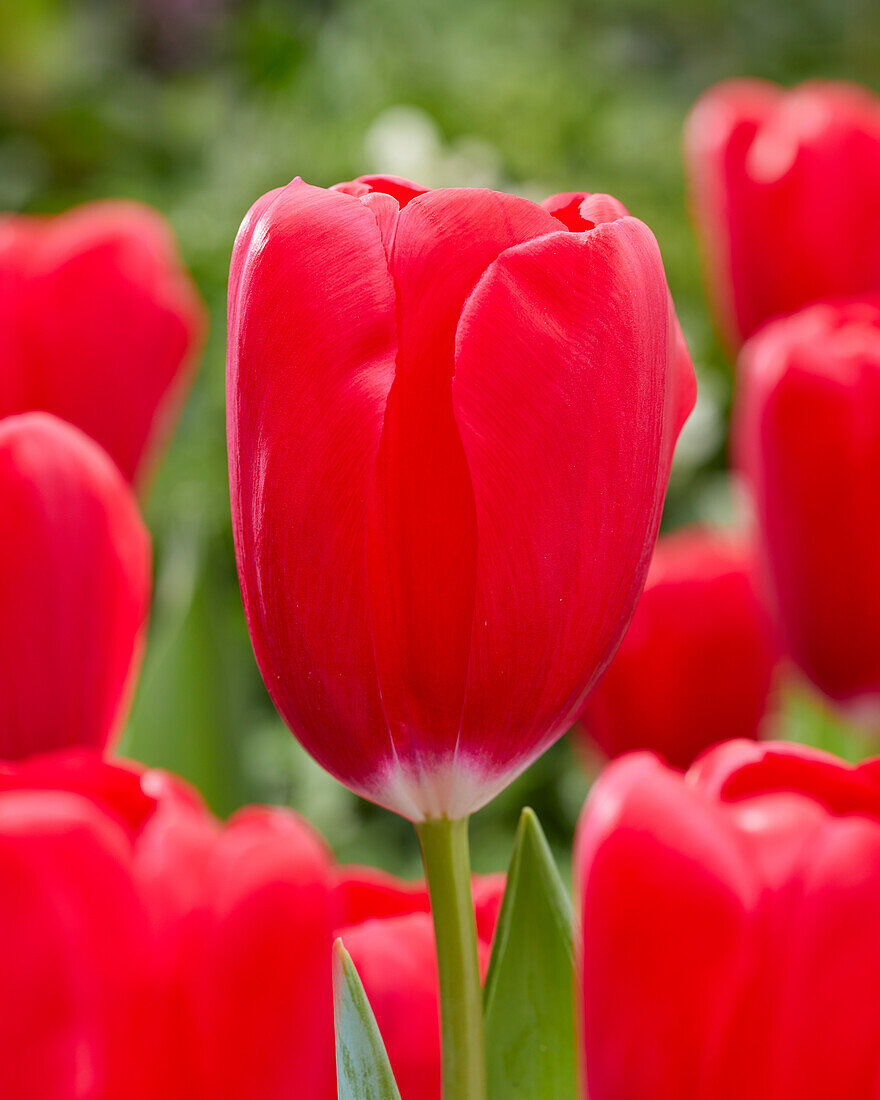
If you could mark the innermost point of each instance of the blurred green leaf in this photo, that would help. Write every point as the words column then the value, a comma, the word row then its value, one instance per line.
column 363, row 1071
column 807, row 717
column 529, row 999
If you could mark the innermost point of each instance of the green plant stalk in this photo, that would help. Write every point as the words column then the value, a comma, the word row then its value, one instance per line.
column 447, row 861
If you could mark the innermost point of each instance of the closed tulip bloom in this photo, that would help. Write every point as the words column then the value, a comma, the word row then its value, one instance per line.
column 77, row 1018
column 784, row 187
column 808, row 440
column 101, row 325
column 696, row 664
column 74, row 588
column 729, row 924
column 451, row 418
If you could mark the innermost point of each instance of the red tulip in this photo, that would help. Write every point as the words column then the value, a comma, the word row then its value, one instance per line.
column 74, row 588
column 696, row 664
column 451, row 418
column 100, row 325
column 784, row 186
column 729, row 924
column 808, row 440
column 77, row 1017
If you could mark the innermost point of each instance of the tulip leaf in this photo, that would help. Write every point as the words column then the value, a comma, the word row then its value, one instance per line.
column 363, row 1071
column 529, row 996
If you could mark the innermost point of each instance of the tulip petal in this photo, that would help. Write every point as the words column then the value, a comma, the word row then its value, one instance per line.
column 562, row 348
column 423, row 536
column 312, row 343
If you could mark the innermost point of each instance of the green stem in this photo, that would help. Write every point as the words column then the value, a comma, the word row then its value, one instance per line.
column 447, row 862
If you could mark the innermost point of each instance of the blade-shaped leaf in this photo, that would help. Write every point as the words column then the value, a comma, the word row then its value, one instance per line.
column 363, row 1071
column 529, row 998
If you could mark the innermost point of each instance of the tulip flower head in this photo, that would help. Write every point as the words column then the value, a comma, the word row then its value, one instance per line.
column 74, row 588
column 784, row 186
column 729, row 927
column 451, row 418
column 808, row 441
column 100, row 324
column 696, row 664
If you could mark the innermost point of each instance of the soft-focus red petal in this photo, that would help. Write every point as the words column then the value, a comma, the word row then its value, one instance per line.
column 397, row 963
column 75, row 955
column 423, row 524
column 74, row 588
column 738, row 770
column 665, row 895
column 562, row 391
column 249, row 999
column 312, row 342
column 365, row 893
column 116, row 787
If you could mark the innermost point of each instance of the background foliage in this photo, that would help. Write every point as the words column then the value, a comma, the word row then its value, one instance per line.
column 199, row 106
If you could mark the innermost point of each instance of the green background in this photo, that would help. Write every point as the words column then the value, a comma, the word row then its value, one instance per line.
column 199, row 106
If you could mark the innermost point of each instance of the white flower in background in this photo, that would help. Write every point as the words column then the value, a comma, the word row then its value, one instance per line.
column 406, row 141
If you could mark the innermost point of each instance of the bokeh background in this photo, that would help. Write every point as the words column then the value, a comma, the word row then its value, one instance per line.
column 199, row 106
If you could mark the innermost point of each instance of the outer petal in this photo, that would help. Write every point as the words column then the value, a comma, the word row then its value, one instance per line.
column 245, row 916
column 563, row 395
column 74, row 588
column 808, row 440
column 697, row 661
column 311, row 360
column 75, row 954
column 105, row 326
column 423, row 536
column 666, row 904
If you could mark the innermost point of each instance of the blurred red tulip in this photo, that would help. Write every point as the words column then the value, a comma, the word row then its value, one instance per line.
column 696, row 664
column 74, row 588
column 729, row 923
column 808, row 440
column 234, row 928
column 435, row 569
column 77, row 1020
column 100, row 325
column 784, row 187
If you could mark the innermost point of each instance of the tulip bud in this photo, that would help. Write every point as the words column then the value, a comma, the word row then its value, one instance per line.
column 697, row 661
column 729, row 927
column 808, row 441
column 784, row 187
column 451, row 418
column 100, row 325
column 74, row 588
